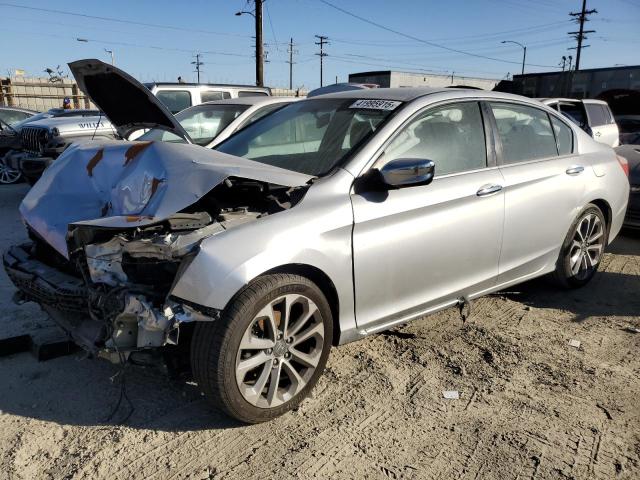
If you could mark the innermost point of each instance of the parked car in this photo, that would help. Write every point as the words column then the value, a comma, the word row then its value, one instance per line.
column 14, row 150
column 593, row 116
column 629, row 129
column 212, row 122
column 632, row 154
column 340, row 87
column 326, row 221
column 10, row 116
column 178, row 96
column 13, row 115
column 42, row 141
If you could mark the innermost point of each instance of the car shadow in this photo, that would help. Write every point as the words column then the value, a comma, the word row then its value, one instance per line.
column 73, row 390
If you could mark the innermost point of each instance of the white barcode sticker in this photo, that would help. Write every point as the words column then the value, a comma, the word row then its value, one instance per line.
column 376, row 104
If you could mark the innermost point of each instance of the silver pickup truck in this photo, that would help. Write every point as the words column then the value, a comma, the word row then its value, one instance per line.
column 44, row 140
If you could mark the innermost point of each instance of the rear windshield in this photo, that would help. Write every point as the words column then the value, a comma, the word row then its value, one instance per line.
column 175, row 100
column 311, row 136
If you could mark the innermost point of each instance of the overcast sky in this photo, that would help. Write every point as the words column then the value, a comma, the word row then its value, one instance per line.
column 430, row 36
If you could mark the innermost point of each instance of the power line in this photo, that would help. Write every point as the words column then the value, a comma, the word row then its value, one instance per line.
column 322, row 42
column 426, row 42
column 118, row 20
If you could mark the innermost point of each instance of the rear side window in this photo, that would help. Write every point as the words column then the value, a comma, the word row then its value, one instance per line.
column 575, row 113
column 451, row 136
column 525, row 132
column 175, row 100
column 597, row 114
column 564, row 136
column 249, row 93
column 211, row 95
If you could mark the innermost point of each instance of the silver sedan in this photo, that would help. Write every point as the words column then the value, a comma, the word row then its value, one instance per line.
column 326, row 221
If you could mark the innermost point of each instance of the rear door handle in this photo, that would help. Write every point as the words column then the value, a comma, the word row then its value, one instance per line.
column 575, row 170
column 597, row 134
column 489, row 189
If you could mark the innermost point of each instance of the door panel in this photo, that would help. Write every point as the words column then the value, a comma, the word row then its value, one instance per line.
column 418, row 247
column 542, row 190
column 541, row 202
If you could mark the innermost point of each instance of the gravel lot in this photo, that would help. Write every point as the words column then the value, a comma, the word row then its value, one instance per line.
column 530, row 406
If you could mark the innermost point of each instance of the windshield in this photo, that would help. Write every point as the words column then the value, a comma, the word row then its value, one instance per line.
column 312, row 136
column 203, row 123
column 37, row 116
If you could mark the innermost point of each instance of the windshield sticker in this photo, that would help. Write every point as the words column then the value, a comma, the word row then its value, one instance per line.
column 376, row 104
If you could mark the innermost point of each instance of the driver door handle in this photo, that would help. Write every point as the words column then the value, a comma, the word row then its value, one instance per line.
column 575, row 170
column 597, row 134
column 489, row 189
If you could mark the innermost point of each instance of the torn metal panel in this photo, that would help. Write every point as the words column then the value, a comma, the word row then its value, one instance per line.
column 158, row 181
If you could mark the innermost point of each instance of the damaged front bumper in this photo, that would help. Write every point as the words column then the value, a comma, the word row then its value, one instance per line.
column 102, row 319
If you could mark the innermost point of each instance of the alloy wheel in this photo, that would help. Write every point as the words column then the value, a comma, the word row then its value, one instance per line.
column 587, row 246
column 8, row 175
column 279, row 351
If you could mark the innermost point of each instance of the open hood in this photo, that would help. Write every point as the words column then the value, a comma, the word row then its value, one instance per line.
column 122, row 185
column 125, row 101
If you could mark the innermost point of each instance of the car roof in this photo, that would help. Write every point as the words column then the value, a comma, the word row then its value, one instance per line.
column 190, row 84
column 583, row 100
column 412, row 93
column 257, row 100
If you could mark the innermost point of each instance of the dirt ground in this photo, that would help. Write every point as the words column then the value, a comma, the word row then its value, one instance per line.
column 530, row 406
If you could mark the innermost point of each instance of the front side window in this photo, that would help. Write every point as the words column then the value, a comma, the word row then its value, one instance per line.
column 175, row 100
column 451, row 136
column 311, row 136
column 525, row 132
column 203, row 123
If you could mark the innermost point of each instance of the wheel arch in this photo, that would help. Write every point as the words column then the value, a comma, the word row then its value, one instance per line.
column 605, row 208
column 324, row 283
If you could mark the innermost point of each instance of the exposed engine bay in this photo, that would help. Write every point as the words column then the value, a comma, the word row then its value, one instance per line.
column 112, row 295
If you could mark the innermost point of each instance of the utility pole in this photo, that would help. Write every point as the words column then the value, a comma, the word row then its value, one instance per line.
column 257, row 15
column 259, row 45
column 580, row 35
column 322, row 42
column 197, row 63
column 291, row 51
column 570, row 61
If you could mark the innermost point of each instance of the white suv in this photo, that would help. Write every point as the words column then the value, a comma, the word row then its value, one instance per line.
column 593, row 116
column 178, row 96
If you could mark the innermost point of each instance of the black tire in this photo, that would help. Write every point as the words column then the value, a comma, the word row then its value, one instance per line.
column 215, row 345
column 563, row 275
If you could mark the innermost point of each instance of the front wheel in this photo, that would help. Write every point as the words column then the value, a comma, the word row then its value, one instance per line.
column 9, row 175
column 582, row 249
column 268, row 349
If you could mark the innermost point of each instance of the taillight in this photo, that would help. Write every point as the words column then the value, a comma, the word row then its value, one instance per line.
column 624, row 164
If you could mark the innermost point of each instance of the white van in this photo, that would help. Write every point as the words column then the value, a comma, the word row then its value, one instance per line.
column 178, row 96
column 593, row 116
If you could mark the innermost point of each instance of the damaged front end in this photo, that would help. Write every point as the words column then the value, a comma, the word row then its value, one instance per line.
column 105, row 271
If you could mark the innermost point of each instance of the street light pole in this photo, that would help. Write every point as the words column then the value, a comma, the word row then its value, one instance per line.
column 524, row 54
column 257, row 15
column 111, row 53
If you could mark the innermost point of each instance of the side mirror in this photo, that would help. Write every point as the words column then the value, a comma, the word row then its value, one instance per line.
column 407, row 172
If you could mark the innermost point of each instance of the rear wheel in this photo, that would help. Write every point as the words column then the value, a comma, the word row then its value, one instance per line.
column 267, row 351
column 582, row 249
